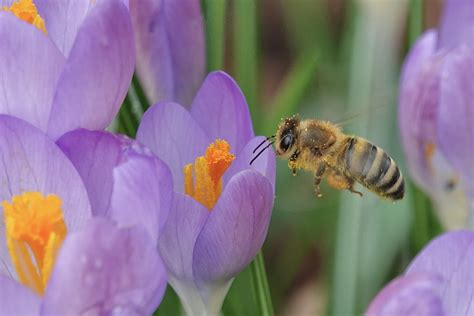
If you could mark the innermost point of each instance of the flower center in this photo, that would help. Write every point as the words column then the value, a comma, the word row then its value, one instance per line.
column 35, row 230
column 203, row 179
column 26, row 10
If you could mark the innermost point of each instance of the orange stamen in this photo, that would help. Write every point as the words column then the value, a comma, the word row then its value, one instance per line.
column 203, row 179
column 26, row 10
column 35, row 230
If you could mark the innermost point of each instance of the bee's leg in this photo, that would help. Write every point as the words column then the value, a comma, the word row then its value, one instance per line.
column 292, row 162
column 339, row 181
column 318, row 176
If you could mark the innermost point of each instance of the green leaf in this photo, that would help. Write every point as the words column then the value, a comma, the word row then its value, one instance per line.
column 214, row 18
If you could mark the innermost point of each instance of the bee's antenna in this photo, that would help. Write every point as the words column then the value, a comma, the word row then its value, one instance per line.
column 263, row 141
column 261, row 151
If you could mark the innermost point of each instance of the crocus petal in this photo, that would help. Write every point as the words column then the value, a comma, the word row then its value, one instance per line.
column 95, row 155
column 450, row 256
column 97, row 73
column 103, row 270
column 174, row 136
column 412, row 295
column 265, row 163
column 30, row 161
column 221, row 110
column 456, row 113
column 234, row 231
column 176, row 246
column 63, row 20
column 169, row 39
column 457, row 24
column 16, row 299
column 418, row 106
column 30, row 66
column 143, row 189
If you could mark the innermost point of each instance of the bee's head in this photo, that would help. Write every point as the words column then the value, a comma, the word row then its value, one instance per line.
column 286, row 137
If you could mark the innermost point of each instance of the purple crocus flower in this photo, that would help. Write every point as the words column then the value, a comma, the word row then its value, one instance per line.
column 55, row 259
column 436, row 113
column 221, row 207
column 73, row 73
column 169, row 41
column 439, row 281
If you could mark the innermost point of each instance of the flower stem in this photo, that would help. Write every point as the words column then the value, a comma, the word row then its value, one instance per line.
column 261, row 288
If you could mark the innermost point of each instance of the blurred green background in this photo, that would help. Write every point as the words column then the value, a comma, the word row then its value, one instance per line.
column 336, row 60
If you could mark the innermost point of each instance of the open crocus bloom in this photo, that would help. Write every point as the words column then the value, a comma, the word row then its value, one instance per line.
column 58, row 51
column 439, row 281
column 221, row 205
column 55, row 260
column 436, row 114
column 169, row 41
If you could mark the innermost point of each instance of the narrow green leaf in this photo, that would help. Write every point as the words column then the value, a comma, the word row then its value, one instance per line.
column 214, row 18
column 245, row 51
column 415, row 21
column 260, row 284
column 293, row 89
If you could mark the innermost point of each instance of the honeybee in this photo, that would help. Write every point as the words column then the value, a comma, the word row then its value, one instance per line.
column 322, row 147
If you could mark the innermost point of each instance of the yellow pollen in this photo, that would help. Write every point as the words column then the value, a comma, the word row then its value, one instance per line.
column 35, row 230
column 203, row 179
column 26, row 10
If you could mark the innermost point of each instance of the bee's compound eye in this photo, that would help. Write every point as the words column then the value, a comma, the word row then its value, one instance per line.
column 286, row 142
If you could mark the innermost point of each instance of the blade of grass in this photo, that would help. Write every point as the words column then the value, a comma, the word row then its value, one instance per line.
column 245, row 52
column 293, row 89
column 214, row 18
column 260, row 284
column 415, row 20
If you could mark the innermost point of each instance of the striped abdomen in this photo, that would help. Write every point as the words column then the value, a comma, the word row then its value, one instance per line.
column 373, row 168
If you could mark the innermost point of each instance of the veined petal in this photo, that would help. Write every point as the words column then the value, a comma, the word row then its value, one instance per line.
column 31, row 162
column 457, row 24
column 418, row 107
column 30, row 66
column 456, row 114
column 265, row 164
column 412, row 295
column 16, row 299
column 63, row 20
column 174, row 136
column 451, row 257
column 221, row 110
column 143, row 189
column 104, row 270
column 234, row 231
column 97, row 73
column 169, row 39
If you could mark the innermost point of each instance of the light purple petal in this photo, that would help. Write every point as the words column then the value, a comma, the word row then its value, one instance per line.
column 95, row 155
column 16, row 299
column 221, row 110
column 418, row 106
column 412, row 295
column 103, row 270
column 169, row 39
column 97, row 73
column 235, row 229
column 174, row 136
column 176, row 243
column 63, row 20
column 265, row 163
column 457, row 26
column 30, row 65
column 456, row 113
column 143, row 189
column 450, row 256
column 30, row 161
